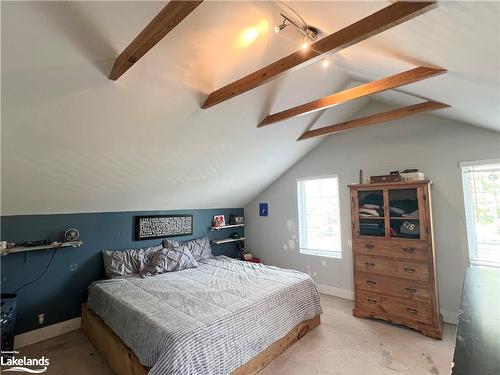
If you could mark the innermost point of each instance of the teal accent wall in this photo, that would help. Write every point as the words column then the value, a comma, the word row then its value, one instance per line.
column 60, row 292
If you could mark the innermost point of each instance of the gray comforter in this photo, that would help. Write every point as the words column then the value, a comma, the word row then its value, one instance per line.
column 205, row 320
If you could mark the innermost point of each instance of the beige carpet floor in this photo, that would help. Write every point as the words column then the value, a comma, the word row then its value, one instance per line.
column 342, row 344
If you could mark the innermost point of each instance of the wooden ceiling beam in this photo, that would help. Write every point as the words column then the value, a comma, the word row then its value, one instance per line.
column 388, row 83
column 363, row 29
column 169, row 17
column 375, row 119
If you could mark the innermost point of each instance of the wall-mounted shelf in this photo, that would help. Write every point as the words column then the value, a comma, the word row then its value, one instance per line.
column 53, row 245
column 227, row 227
column 227, row 240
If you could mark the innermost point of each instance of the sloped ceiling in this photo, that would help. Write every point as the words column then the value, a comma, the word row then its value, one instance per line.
column 461, row 36
column 74, row 141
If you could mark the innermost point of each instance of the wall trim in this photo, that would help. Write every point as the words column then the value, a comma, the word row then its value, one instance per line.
column 336, row 292
column 450, row 317
column 45, row 333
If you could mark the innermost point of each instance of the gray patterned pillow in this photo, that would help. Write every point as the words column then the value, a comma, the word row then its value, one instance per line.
column 199, row 247
column 169, row 260
column 127, row 262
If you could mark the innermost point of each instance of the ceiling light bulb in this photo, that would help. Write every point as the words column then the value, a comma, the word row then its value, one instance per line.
column 325, row 63
column 248, row 36
column 305, row 46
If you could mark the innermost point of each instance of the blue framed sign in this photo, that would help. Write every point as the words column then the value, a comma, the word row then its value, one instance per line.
column 263, row 209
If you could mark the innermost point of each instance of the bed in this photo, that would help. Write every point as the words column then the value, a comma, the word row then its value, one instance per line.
column 225, row 316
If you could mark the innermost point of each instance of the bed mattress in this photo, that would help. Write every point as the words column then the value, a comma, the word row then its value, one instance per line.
column 206, row 320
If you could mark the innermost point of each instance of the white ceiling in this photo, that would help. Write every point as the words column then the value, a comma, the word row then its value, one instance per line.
column 74, row 141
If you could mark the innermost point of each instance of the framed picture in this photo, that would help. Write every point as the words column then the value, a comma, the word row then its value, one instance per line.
column 152, row 227
column 219, row 221
column 263, row 209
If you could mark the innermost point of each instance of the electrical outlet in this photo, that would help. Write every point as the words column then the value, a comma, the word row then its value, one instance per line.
column 41, row 319
column 73, row 267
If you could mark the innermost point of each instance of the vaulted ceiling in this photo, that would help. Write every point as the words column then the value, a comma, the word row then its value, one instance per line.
column 75, row 141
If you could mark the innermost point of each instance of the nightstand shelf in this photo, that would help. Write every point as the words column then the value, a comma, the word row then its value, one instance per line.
column 227, row 240
column 227, row 227
column 53, row 245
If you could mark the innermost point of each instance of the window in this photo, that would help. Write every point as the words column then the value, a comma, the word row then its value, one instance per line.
column 319, row 217
column 481, row 183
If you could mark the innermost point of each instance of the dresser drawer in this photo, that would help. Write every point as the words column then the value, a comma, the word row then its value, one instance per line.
column 403, row 269
column 397, row 287
column 392, row 248
column 386, row 305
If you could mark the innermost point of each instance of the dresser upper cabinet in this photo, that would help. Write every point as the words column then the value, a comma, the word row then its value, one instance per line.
column 393, row 255
column 386, row 211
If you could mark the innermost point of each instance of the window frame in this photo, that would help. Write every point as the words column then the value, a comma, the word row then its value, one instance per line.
column 335, row 254
column 472, row 252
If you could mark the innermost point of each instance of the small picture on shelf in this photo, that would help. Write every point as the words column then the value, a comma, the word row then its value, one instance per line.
column 218, row 221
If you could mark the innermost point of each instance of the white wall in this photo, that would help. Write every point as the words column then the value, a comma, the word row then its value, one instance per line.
column 432, row 144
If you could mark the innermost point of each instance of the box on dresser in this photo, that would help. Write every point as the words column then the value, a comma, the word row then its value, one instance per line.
column 393, row 255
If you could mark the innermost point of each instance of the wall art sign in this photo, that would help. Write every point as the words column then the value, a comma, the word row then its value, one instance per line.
column 151, row 227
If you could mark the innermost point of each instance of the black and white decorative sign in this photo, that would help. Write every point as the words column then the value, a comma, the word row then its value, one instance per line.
column 151, row 227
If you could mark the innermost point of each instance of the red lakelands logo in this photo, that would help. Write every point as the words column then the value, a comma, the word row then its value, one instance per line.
column 23, row 364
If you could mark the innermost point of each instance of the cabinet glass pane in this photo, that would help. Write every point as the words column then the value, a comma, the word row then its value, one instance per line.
column 404, row 214
column 371, row 213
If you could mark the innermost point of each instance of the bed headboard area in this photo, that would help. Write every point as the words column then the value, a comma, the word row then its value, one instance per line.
column 60, row 292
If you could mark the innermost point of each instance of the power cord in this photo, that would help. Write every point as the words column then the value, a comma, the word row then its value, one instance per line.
column 44, row 271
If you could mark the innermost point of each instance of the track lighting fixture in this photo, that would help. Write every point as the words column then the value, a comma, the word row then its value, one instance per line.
column 278, row 28
column 310, row 32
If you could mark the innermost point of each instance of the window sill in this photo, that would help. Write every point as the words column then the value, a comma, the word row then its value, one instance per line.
column 479, row 263
column 322, row 253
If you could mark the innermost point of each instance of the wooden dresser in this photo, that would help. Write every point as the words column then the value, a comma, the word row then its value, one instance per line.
column 393, row 255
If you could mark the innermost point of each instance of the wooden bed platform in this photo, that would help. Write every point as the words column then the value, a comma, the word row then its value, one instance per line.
column 123, row 362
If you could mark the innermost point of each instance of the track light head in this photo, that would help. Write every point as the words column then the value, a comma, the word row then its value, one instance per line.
column 278, row 28
column 310, row 32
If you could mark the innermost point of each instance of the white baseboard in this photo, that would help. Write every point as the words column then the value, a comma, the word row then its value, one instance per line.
column 450, row 317
column 336, row 292
column 45, row 333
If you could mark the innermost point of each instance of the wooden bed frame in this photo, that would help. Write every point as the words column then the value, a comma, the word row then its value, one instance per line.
column 124, row 362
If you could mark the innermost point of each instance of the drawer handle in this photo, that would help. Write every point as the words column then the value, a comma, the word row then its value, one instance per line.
column 411, row 290
column 369, row 282
column 411, row 311
column 409, row 249
column 368, row 264
column 409, row 270
column 372, row 301
column 369, row 246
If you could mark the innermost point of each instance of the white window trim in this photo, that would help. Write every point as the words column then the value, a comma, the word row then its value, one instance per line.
column 475, row 163
column 467, row 164
column 335, row 254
